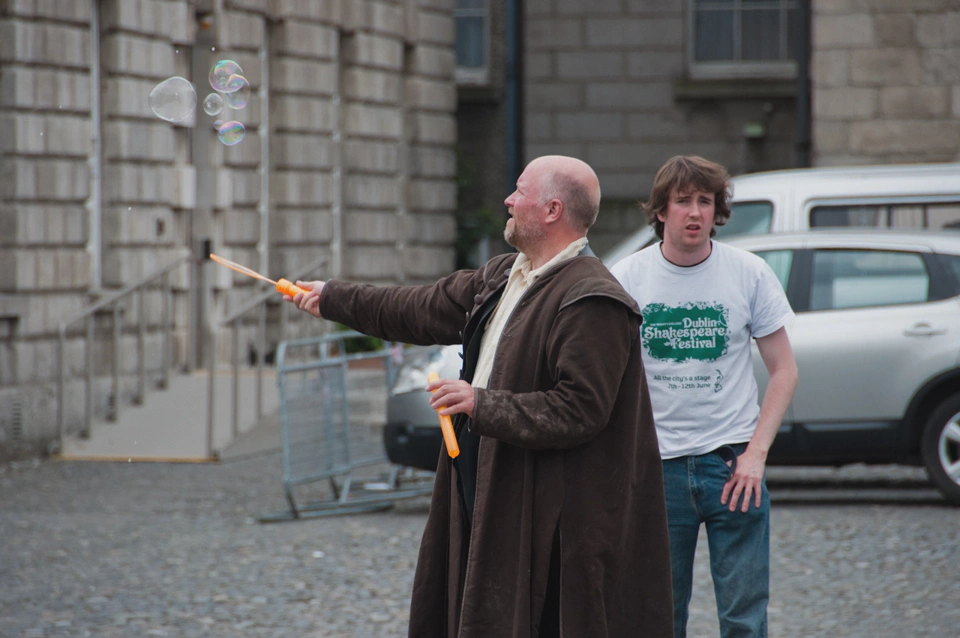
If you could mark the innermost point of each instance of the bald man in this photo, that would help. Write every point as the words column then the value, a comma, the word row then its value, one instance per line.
column 551, row 522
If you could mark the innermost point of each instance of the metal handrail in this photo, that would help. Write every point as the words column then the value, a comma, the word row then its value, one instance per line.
column 87, row 314
column 259, row 303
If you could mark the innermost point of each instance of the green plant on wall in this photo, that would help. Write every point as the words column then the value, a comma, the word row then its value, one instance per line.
column 475, row 222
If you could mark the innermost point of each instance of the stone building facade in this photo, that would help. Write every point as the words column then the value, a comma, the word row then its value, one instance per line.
column 886, row 82
column 348, row 154
column 615, row 83
column 607, row 81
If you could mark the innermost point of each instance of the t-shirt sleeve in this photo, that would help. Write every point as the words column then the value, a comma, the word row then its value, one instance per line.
column 770, row 309
column 621, row 271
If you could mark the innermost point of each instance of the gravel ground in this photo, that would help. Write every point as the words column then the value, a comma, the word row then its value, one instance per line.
column 129, row 550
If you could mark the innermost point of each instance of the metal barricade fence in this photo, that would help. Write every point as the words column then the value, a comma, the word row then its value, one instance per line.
column 328, row 431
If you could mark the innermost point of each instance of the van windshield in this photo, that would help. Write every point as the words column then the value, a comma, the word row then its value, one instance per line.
column 747, row 218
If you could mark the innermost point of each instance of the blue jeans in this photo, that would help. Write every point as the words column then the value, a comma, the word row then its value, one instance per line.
column 739, row 544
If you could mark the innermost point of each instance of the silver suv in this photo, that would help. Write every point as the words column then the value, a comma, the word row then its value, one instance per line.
column 877, row 343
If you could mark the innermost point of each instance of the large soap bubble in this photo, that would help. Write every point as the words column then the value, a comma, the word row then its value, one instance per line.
column 173, row 100
column 220, row 75
column 231, row 133
column 212, row 104
column 238, row 98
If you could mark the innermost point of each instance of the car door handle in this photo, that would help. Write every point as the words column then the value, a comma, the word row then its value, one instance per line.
column 924, row 330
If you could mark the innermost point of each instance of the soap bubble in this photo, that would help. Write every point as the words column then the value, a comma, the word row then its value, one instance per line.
column 212, row 104
column 217, row 124
column 238, row 98
column 235, row 83
column 231, row 133
column 173, row 100
column 220, row 75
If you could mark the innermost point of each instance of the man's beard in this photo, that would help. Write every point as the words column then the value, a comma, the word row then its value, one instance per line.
column 523, row 237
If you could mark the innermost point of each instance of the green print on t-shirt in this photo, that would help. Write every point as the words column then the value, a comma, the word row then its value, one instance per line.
column 694, row 331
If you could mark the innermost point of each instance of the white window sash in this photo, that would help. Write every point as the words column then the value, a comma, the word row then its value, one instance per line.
column 784, row 69
column 475, row 75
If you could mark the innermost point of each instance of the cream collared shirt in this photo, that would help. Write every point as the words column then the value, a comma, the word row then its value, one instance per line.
column 522, row 276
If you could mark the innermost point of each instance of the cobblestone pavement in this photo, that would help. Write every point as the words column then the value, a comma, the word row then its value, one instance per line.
column 129, row 550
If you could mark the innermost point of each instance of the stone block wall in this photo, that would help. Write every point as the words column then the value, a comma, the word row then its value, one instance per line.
column 45, row 103
column 607, row 82
column 362, row 90
column 886, row 81
column 348, row 154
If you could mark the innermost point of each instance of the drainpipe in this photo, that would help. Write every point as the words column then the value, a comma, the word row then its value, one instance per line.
column 513, row 17
column 803, row 86
column 94, row 203
column 403, row 171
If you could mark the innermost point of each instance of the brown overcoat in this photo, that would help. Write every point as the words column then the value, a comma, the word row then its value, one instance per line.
column 567, row 437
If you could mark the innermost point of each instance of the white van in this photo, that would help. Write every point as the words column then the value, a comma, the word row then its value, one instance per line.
column 891, row 196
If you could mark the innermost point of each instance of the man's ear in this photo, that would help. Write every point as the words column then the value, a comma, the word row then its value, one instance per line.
column 554, row 211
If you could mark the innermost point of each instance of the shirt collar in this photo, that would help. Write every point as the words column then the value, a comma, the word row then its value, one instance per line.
column 524, row 266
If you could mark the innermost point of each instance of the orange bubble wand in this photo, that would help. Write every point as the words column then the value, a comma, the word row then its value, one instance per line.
column 284, row 287
column 446, row 425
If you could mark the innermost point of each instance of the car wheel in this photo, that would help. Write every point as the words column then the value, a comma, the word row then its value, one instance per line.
column 940, row 448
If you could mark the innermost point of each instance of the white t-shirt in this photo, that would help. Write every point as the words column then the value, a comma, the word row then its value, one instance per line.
column 695, row 336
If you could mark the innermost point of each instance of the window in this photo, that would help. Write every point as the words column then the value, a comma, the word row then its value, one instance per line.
column 747, row 218
column 472, row 21
column 864, row 278
column 953, row 263
column 888, row 215
column 744, row 38
column 780, row 262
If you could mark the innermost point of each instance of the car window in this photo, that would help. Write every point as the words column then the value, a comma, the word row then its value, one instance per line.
column 862, row 278
column 747, row 218
column 780, row 261
column 914, row 215
column 953, row 263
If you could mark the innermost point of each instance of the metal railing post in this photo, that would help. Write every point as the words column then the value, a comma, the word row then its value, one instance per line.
column 115, row 412
column 141, row 345
column 261, row 346
column 60, row 386
column 284, row 322
column 88, row 377
column 211, row 387
column 165, row 338
column 235, row 412
column 201, row 297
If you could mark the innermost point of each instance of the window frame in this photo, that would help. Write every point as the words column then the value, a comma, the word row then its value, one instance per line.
column 733, row 69
column 469, row 75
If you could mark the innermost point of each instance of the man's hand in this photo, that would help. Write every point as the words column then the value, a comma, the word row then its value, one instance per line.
column 310, row 300
column 458, row 396
column 747, row 480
